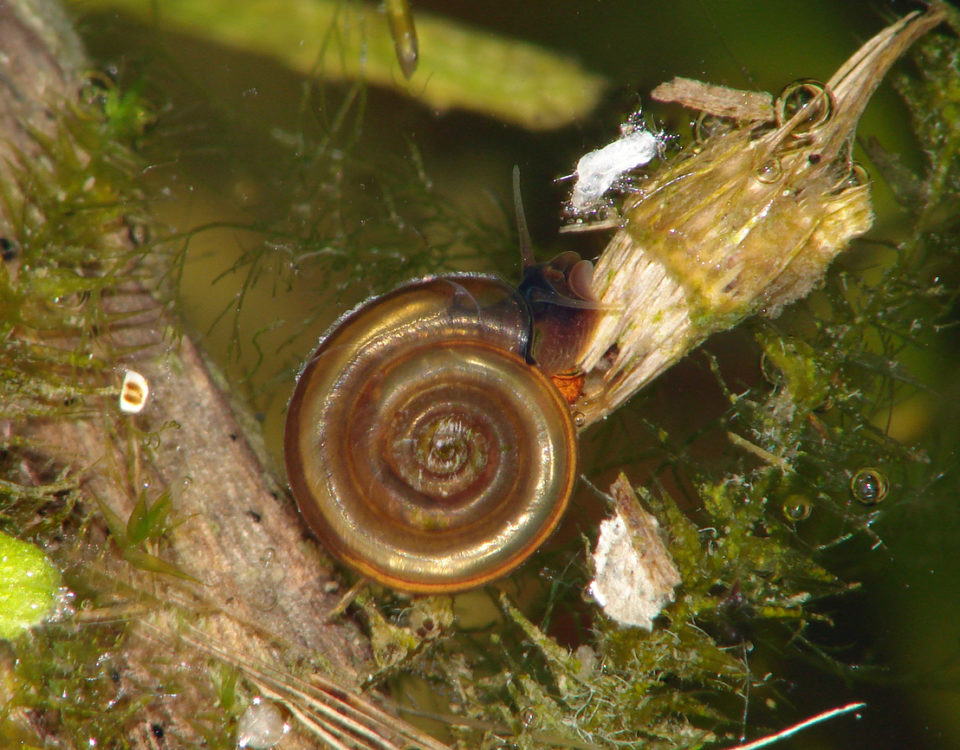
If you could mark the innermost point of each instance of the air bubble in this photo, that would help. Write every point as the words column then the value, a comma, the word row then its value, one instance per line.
column 869, row 486
column 528, row 717
column 855, row 176
column 261, row 726
column 769, row 171
column 809, row 101
column 710, row 126
column 797, row 508
column 73, row 301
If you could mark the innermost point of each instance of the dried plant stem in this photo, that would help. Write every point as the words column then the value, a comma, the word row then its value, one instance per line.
column 745, row 222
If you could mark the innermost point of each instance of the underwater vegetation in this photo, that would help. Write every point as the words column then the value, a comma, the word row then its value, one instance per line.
column 787, row 466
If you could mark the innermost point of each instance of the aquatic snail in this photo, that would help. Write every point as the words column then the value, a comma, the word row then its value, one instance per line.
column 425, row 443
column 744, row 223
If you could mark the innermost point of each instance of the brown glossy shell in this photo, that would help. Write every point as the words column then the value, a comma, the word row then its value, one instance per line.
column 422, row 448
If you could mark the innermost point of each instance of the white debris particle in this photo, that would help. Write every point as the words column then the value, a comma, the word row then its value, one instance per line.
column 634, row 573
column 133, row 392
column 261, row 726
column 601, row 170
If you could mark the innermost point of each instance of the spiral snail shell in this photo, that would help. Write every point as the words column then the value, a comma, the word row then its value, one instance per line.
column 424, row 447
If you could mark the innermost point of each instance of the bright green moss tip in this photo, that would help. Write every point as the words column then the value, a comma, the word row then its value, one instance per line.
column 29, row 586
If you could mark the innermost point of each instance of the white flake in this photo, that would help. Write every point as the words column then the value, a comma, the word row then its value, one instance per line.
column 601, row 170
column 634, row 574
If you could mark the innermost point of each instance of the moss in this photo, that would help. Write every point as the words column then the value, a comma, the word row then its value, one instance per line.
column 68, row 675
column 69, row 207
column 76, row 238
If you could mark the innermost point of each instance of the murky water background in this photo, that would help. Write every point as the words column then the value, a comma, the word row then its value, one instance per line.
column 215, row 159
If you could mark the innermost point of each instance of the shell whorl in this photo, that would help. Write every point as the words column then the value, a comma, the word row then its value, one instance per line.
column 422, row 447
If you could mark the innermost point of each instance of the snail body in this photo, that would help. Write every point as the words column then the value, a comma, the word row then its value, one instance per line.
column 423, row 446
